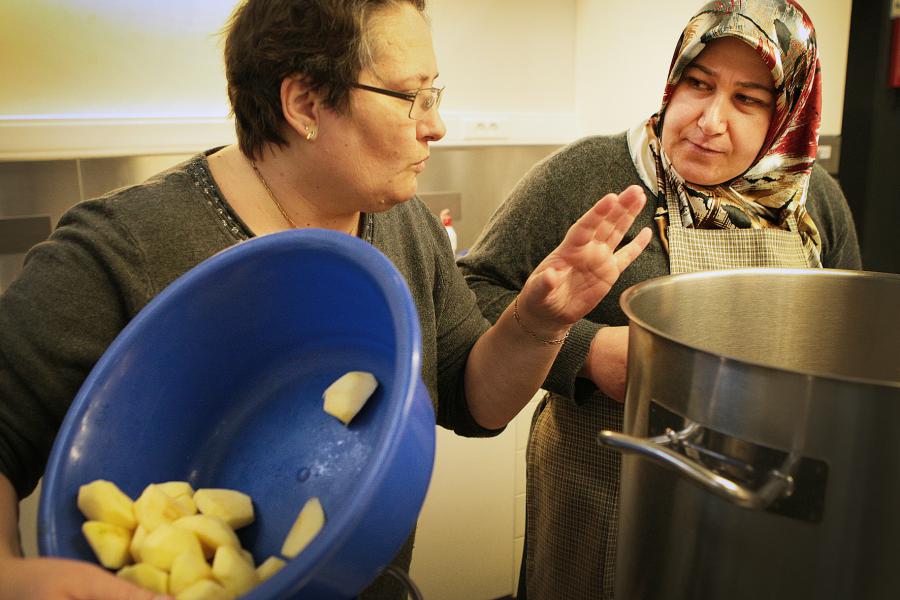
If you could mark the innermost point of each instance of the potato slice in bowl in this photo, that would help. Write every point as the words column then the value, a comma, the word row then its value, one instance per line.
column 348, row 394
column 306, row 527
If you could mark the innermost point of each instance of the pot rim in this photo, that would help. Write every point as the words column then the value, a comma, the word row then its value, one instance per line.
column 635, row 291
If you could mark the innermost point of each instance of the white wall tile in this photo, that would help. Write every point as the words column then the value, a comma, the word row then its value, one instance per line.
column 464, row 540
column 28, row 509
column 520, row 516
column 517, row 562
column 520, row 472
column 523, row 420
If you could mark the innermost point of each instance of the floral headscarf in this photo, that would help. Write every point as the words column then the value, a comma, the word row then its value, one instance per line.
column 775, row 186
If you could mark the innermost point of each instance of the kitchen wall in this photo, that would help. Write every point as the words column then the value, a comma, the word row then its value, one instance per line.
column 527, row 71
column 128, row 58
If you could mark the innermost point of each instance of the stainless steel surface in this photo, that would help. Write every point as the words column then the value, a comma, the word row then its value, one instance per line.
column 483, row 176
column 829, row 153
column 18, row 234
column 803, row 363
column 438, row 201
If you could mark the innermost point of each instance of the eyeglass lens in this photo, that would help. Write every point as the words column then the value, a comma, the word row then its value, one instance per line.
column 426, row 100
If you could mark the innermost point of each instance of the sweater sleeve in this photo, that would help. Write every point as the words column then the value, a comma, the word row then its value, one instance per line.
column 449, row 319
column 56, row 320
column 459, row 325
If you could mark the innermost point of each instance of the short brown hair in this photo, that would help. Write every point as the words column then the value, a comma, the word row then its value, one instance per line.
column 268, row 40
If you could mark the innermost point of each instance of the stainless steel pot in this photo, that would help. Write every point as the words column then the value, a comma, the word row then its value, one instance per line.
column 762, row 437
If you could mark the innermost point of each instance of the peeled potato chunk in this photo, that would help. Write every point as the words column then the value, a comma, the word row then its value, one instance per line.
column 307, row 525
column 204, row 589
column 233, row 571
column 147, row 577
column 182, row 493
column 269, row 567
column 346, row 396
column 211, row 531
column 154, row 507
column 176, row 488
column 102, row 500
column 187, row 569
column 232, row 506
column 109, row 542
column 137, row 540
column 165, row 543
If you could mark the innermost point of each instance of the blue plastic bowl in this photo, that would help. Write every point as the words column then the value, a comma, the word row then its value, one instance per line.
column 219, row 382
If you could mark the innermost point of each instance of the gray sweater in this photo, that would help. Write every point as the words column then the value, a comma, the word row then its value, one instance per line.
column 110, row 256
column 558, row 190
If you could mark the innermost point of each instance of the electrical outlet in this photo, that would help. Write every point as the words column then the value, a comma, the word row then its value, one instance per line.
column 485, row 129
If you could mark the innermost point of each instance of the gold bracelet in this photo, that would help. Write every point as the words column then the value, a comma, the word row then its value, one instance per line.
column 534, row 334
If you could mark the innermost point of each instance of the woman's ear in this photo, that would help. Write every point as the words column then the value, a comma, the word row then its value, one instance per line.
column 300, row 105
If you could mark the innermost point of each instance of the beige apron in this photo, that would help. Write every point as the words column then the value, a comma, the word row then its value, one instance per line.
column 573, row 483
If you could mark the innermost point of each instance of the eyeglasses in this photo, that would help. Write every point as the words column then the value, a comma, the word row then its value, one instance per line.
column 423, row 101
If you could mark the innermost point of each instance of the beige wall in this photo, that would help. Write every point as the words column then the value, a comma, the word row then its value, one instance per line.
column 506, row 55
column 163, row 58
column 624, row 50
column 545, row 72
column 112, row 57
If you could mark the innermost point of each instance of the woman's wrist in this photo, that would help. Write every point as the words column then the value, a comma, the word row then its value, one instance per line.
column 550, row 337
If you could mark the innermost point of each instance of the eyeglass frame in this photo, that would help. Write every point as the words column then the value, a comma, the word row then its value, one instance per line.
column 408, row 96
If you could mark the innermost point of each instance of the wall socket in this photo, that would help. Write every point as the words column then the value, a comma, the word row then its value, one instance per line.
column 485, row 129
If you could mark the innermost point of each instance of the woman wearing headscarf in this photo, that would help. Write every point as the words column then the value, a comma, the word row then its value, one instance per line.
column 728, row 166
column 336, row 105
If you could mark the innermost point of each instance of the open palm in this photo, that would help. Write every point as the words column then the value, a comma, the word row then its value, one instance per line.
column 576, row 276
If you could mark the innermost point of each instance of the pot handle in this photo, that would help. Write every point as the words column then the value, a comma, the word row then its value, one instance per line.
column 779, row 483
column 412, row 591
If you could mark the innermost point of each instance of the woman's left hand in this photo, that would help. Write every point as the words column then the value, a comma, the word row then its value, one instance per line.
column 577, row 275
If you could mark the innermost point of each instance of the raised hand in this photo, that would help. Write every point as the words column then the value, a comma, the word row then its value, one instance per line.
column 576, row 276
